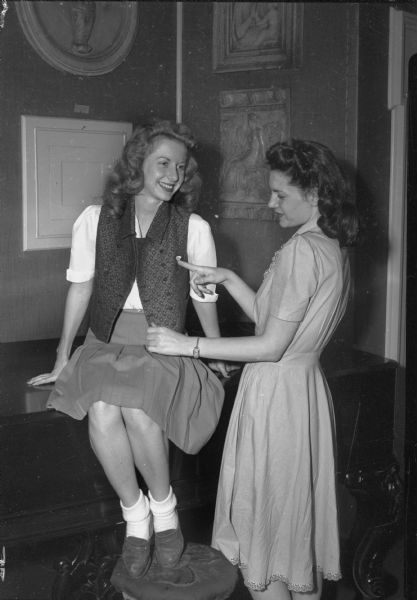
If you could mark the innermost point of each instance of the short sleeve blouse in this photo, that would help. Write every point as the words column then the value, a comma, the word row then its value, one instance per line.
column 289, row 284
column 200, row 248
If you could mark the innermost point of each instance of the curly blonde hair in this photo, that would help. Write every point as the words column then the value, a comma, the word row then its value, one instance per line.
column 126, row 178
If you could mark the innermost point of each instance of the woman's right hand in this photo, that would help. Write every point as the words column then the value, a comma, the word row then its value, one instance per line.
column 49, row 377
column 201, row 276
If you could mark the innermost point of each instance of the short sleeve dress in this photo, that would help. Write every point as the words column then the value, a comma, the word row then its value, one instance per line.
column 276, row 514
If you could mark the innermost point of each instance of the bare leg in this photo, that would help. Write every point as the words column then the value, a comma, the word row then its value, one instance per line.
column 275, row 591
column 316, row 595
column 279, row 591
column 150, row 451
column 111, row 445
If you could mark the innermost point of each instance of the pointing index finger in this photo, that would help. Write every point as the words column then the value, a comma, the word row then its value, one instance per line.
column 187, row 265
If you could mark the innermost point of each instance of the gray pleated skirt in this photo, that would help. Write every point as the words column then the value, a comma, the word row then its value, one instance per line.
column 181, row 394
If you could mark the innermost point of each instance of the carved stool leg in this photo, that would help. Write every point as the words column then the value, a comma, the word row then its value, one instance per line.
column 87, row 574
column 379, row 495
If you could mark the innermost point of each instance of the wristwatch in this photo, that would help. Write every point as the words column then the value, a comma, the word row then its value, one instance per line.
column 196, row 349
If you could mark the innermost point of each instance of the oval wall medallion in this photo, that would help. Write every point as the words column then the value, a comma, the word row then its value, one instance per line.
column 83, row 38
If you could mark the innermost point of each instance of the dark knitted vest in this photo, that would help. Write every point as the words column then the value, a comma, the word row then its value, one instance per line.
column 120, row 257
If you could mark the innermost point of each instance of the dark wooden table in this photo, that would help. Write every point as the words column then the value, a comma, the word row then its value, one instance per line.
column 53, row 486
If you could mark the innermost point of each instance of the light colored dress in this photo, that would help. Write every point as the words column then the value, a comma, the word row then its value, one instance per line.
column 276, row 514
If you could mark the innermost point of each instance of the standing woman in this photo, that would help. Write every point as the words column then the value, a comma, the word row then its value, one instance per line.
column 123, row 264
column 276, row 514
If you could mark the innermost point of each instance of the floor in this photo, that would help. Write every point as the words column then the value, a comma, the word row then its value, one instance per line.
column 30, row 570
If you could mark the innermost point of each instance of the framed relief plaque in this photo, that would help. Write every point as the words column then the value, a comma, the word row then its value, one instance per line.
column 250, row 122
column 257, row 35
column 83, row 38
column 64, row 167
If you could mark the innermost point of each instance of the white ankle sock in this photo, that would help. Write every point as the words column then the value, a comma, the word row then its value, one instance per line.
column 164, row 514
column 137, row 518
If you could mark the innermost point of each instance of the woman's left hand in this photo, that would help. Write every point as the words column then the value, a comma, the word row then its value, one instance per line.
column 166, row 341
column 225, row 369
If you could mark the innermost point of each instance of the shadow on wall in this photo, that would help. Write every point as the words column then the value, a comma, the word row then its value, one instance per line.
column 209, row 160
column 371, row 256
column 228, row 309
column 229, row 257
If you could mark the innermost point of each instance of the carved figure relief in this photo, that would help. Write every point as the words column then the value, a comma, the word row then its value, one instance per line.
column 83, row 15
column 244, row 175
column 257, row 35
column 81, row 37
column 255, row 25
column 250, row 121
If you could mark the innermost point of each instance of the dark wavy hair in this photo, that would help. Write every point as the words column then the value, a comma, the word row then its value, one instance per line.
column 311, row 166
column 126, row 178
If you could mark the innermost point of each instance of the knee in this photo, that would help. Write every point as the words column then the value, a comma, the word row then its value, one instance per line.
column 102, row 417
column 137, row 420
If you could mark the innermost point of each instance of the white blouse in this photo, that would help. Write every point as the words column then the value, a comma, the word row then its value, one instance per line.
column 200, row 249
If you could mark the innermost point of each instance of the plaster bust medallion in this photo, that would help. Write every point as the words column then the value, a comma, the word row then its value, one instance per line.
column 83, row 38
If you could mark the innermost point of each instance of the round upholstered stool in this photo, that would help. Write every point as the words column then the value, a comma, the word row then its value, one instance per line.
column 202, row 574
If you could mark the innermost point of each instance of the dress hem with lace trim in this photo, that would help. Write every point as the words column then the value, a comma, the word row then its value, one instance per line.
column 294, row 587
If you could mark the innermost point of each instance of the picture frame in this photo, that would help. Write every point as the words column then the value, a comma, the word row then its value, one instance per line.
column 64, row 166
column 257, row 35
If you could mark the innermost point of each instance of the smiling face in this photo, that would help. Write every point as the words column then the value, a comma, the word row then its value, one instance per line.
column 293, row 205
column 164, row 169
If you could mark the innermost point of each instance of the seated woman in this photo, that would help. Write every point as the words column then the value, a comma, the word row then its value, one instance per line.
column 123, row 260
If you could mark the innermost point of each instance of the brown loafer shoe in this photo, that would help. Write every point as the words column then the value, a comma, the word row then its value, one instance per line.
column 136, row 555
column 169, row 546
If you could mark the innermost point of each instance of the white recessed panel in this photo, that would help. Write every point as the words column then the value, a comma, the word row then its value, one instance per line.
column 65, row 164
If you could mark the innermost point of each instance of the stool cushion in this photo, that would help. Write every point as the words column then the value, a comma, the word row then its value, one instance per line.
column 202, row 574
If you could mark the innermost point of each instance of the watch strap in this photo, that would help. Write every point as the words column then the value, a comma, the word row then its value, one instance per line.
column 196, row 349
